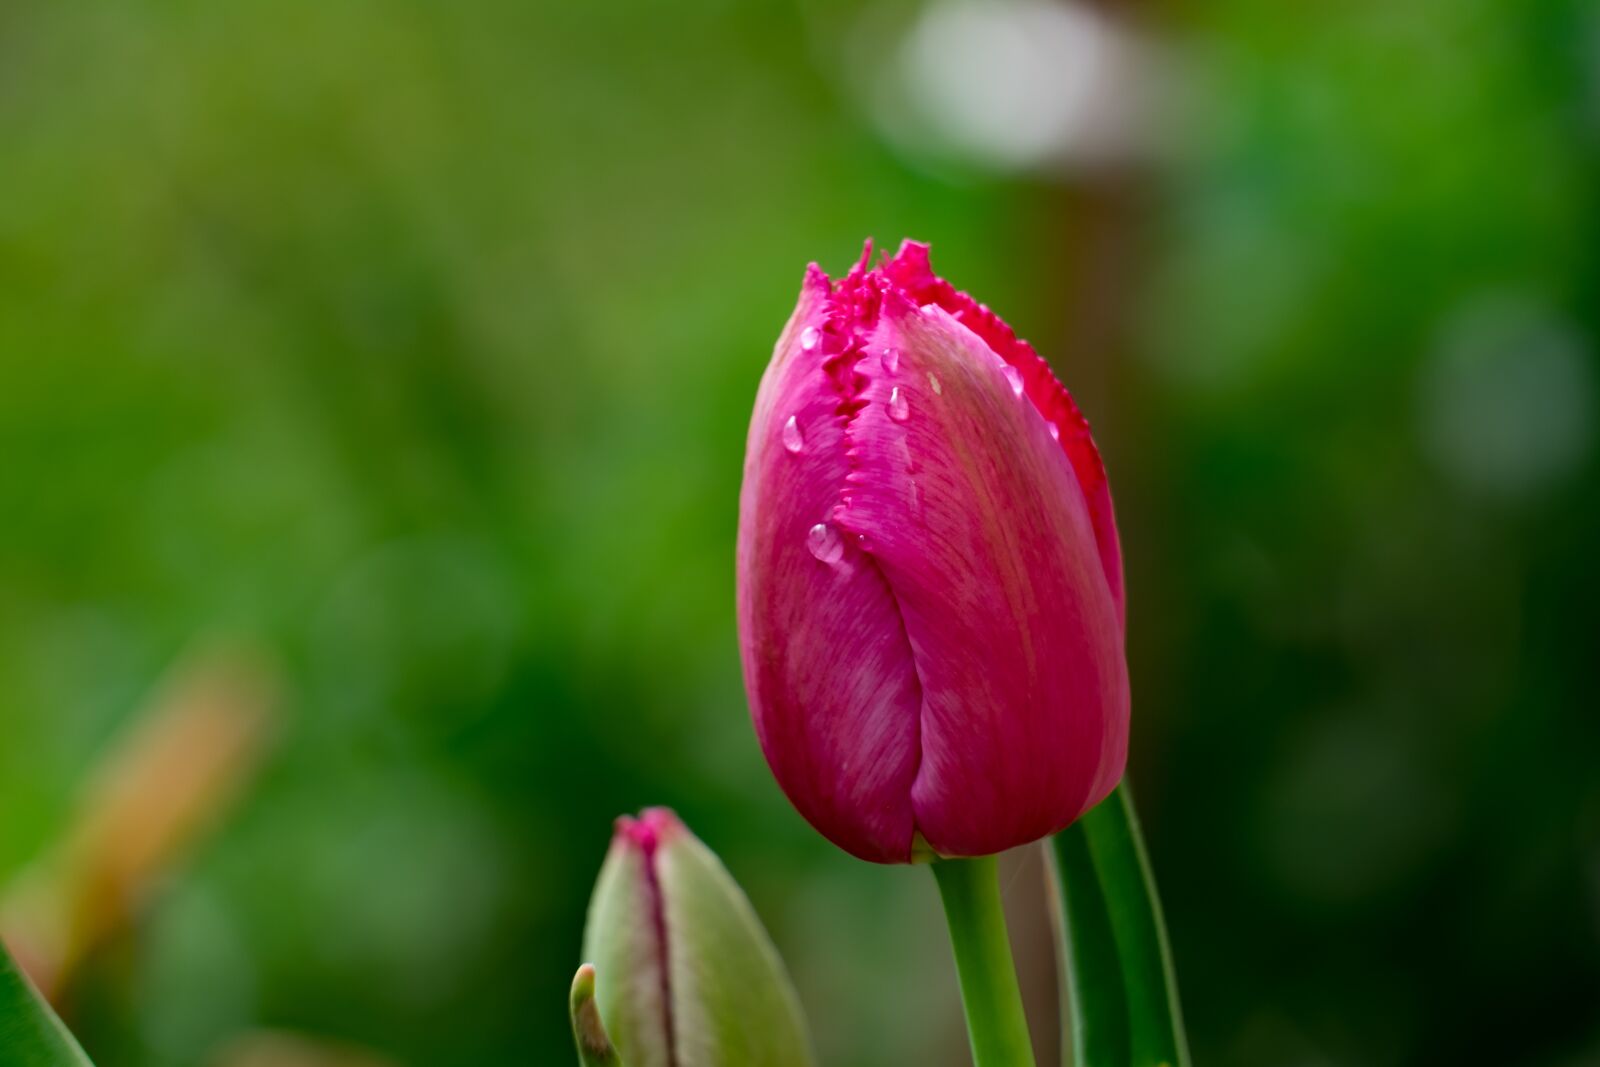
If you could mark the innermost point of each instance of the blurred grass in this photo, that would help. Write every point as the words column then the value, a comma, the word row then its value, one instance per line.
column 417, row 342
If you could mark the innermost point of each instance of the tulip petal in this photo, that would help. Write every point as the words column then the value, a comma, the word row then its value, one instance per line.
column 980, row 525
column 826, row 661
column 912, row 272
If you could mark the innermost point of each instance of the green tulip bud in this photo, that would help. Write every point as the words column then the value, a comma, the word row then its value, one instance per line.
column 683, row 974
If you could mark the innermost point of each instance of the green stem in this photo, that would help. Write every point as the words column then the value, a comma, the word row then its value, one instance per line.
column 996, row 1025
column 1119, row 988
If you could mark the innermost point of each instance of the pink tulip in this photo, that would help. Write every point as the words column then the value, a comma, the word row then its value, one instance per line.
column 930, row 584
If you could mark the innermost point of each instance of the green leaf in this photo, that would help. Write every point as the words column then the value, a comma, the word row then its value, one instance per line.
column 30, row 1033
column 594, row 1044
column 1120, row 994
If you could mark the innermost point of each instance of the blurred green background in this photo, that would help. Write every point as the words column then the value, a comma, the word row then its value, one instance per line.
column 413, row 344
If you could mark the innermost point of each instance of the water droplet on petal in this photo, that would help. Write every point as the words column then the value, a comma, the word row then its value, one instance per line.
column 809, row 337
column 1014, row 377
column 903, row 454
column 1055, row 432
column 899, row 410
column 824, row 543
column 890, row 358
column 933, row 382
column 791, row 435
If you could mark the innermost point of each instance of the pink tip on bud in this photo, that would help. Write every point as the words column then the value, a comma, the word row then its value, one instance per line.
column 649, row 830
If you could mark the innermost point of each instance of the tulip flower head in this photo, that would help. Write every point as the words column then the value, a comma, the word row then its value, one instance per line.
column 929, row 578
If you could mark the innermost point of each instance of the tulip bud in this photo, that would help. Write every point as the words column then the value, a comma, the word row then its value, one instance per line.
column 683, row 973
column 929, row 578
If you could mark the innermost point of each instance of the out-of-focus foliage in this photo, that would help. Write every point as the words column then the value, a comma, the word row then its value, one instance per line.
column 416, row 343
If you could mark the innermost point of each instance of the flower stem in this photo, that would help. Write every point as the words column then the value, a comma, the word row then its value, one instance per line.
column 1120, row 992
column 996, row 1025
